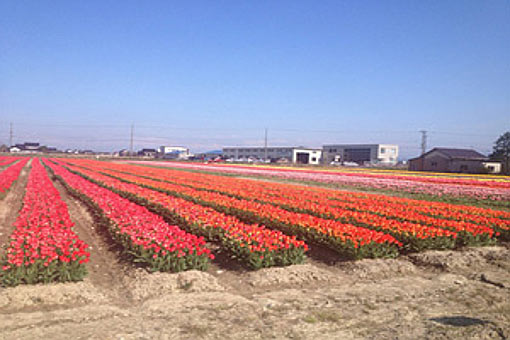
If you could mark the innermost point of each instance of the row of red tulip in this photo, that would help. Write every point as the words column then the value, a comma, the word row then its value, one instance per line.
column 43, row 246
column 347, row 239
column 432, row 208
column 359, row 226
column 464, row 212
column 254, row 245
column 144, row 235
column 475, row 224
column 9, row 175
column 295, row 198
column 6, row 160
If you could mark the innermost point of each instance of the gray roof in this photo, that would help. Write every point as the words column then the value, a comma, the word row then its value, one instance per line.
column 460, row 153
column 453, row 153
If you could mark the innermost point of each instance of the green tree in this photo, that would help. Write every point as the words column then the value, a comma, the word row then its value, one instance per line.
column 501, row 151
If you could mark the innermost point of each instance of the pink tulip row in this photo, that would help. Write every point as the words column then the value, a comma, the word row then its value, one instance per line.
column 385, row 182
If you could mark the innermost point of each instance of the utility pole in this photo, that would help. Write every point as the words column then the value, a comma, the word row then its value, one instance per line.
column 131, row 142
column 10, row 135
column 265, row 144
column 423, row 141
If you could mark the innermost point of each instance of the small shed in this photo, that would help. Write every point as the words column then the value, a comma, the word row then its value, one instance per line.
column 454, row 160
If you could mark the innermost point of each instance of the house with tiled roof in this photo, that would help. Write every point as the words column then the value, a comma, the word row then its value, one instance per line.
column 454, row 160
column 26, row 147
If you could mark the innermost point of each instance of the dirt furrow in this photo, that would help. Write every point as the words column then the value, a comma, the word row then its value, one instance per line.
column 11, row 205
column 106, row 267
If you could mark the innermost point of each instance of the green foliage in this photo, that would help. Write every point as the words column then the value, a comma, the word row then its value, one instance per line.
column 37, row 272
column 501, row 151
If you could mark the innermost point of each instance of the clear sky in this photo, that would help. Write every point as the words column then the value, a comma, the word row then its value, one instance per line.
column 208, row 74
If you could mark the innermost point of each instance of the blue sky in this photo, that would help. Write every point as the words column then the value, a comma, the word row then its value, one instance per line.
column 208, row 74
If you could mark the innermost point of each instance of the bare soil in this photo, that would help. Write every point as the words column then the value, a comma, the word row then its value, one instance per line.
column 463, row 294
column 106, row 268
column 11, row 204
column 434, row 295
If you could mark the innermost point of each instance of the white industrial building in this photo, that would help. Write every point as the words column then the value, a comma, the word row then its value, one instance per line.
column 173, row 152
column 362, row 154
column 299, row 155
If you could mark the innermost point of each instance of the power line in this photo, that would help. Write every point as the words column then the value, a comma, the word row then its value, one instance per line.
column 461, row 134
column 191, row 128
column 341, row 131
column 73, row 125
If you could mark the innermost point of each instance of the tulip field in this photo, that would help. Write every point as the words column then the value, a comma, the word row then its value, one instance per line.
column 43, row 246
column 9, row 175
column 489, row 190
column 174, row 219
